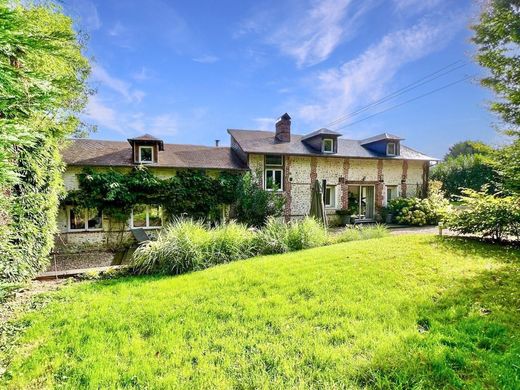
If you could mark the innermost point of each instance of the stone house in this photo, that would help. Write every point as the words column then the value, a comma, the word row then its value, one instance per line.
column 358, row 175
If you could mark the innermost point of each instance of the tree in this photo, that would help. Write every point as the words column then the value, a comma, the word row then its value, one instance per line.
column 497, row 36
column 465, row 171
column 508, row 167
column 42, row 89
column 467, row 148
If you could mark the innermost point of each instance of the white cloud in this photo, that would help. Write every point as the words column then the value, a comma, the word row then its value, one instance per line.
column 103, row 115
column 310, row 33
column 116, row 30
column 85, row 12
column 122, row 87
column 264, row 123
column 366, row 77
column 206, row 59
column 165, row 124
column 142, row 75
column 415, row 5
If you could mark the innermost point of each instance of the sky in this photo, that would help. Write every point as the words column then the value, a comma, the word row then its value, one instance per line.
column 186, row 71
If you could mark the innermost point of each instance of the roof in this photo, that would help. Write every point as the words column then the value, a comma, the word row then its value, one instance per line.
column 89, row 152
column 381, row 137
column 321, row 131
column 262, row 142
column 145, row 137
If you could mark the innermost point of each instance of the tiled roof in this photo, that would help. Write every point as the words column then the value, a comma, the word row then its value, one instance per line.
column 322, row 131
column 258, row 141
column 89, row 152
column 145, row 137
column 381, row 137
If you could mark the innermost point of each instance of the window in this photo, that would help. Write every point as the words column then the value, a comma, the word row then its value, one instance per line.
column 330, row 196
column 146, row 216
column 391, row 193
column 328, row 145
column 391, row 149
column 274, row 159
column 145, row 154
column 85, row 219
column 274, row 179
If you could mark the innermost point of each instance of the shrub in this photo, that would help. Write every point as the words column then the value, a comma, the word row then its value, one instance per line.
column 416, row 211
column 272, row 238
column 254, row 205
column 307, row 233
column 359, row 233
column 487, row 215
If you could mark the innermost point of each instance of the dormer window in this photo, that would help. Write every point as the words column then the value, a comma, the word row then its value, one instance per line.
column 145, row 154
column 391, row 149
column 328, row 145
column 146, row 149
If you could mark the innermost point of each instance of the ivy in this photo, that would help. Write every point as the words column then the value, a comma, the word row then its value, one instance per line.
column 190, row 192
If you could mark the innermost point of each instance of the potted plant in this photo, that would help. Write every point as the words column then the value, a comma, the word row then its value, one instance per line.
column 344, row 216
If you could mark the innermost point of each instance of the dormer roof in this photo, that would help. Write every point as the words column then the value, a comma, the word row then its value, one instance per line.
column 381, row 137
column 321, row 132
column 147, row 139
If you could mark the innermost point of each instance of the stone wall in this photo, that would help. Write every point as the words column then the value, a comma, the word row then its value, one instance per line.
column 341, row 173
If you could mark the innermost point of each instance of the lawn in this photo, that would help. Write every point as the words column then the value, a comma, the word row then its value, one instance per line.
column 412, row 311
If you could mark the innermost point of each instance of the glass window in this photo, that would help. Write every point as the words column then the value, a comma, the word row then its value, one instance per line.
column 144, row 216
column 83, row 219
column 145, row 154
column 154, row 216
column 76, row 219
column 274, row 159
column 273, row 179
column 328, row 145
column 139, row 216
column 330, row 196
column 391, row 193
column 95, row 219
column 390, row 149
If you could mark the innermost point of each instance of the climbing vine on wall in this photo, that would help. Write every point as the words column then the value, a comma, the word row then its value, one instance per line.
column 190, row 192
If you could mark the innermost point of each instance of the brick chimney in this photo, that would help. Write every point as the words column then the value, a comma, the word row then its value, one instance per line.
column 283, row 128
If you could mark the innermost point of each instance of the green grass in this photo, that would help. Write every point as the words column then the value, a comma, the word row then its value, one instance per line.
column 396, row 312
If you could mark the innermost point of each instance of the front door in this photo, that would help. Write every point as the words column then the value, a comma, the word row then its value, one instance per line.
column 361, row 201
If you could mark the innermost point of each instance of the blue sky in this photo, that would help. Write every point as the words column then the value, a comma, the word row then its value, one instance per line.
column 185, row 71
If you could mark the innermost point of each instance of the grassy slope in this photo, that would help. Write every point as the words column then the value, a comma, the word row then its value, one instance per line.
column 339, row 316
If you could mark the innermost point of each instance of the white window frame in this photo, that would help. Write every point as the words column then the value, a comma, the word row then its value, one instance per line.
column 392, row 187
column 147, row 219
column 145, row 147
column 273, row 165
column 332, row 205
column 85, row 217
column 265, row 179
column 325, row 140
column 395, row 149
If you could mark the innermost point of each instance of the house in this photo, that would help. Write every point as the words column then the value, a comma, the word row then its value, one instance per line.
column 358, row 175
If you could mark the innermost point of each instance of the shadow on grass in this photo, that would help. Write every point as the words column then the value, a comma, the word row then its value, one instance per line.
column 468, row 337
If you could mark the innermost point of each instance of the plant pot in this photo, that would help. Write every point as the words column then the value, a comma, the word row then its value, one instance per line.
column 389, row 218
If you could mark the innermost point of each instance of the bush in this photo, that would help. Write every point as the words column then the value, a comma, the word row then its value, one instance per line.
column 304, row 234
column 487, row 215
column 416, row 211
column 254, row 205
column 272, row 238
column 359, row 233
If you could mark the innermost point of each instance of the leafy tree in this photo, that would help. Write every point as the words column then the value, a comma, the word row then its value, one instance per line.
column 255, row 205
column 497, row 36
column 508, row 167
column 465, row 171
column 42, row 89
column 467, row 148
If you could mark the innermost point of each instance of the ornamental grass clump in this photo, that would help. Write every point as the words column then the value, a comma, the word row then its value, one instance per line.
column 180, row 247
column 272, row 238
column 357, row 233
column 304, row 234
column 229, row 242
